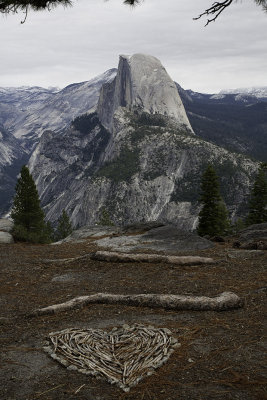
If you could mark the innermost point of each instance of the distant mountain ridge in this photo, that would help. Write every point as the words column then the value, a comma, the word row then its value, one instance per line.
column 27, row 112
column 124, row 141
column 259, row 92
column 236, row 122
column 136, row 156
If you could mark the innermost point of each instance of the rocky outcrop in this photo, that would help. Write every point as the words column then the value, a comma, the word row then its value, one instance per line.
column 167, row 239
column 254, row 232
column 5, row 237
column 253, row 237
column 92, row 232
column 6, row 226
column 142, row 84
column 141, row 236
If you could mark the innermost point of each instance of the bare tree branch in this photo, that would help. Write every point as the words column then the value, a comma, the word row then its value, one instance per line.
column 13, row 6
column 216, row 9
column 8, row 6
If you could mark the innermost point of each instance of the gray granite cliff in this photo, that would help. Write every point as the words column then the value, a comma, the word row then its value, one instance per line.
column 141, row 84
column 136, row 156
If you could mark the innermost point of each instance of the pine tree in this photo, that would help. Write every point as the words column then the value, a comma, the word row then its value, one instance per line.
column 105, row 218
column 64, row 227
column 50, row 231
column 258, row 199
column 213, row 217
column 238, row 226
column 28, row 216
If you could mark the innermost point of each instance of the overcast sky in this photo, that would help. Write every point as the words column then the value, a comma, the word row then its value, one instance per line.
column 75, row 44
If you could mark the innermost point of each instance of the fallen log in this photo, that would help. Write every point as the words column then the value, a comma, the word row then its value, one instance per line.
column 224, row 301
column 150, row 258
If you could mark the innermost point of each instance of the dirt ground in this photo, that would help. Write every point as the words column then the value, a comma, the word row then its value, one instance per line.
column 221, row 354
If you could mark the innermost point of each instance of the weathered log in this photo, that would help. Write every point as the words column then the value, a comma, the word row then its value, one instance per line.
column 224, row 301
column 150, row 258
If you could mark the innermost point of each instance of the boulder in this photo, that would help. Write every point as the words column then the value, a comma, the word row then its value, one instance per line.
column 245, row 254
column 5, row 237
column 254, row 245
column 253, row 237
column 167, row 238
column 6, row 225
column 86, row 232
column 141, row 227
column 254, row 232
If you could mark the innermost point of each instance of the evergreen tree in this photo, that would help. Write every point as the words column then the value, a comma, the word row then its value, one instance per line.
column 238, row 225
column 213, row 217
column 50, row 231
column 28, row 216
column 258, row 199
column 64, row 227
column 105, row 218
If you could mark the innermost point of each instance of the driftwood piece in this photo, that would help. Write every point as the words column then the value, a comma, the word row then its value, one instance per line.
column 224, row 301
column 150, row 258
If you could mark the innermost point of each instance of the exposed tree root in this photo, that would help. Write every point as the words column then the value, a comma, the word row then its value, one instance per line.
column 150, row 258
column 224, row 301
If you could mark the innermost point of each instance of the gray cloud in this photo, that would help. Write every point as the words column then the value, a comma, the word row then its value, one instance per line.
column 72, row 45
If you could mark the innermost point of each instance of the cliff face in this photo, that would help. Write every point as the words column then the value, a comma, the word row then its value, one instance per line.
column 142, row 84
column 27, row 112
column 136, row 156
column 150, row 173
column 12, row 156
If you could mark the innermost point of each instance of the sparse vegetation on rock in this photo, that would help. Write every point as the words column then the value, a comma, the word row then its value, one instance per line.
column 105, row 218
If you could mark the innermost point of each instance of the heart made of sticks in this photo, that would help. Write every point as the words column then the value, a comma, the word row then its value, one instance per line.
column 124, row 355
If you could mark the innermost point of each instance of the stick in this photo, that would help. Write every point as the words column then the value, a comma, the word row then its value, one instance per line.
column 77, row 391
column 49, row 390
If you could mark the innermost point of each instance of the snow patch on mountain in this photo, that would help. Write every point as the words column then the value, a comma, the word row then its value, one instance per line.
column 259, row 92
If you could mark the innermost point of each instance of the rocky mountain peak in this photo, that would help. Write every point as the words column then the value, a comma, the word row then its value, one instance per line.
column 141, row 84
